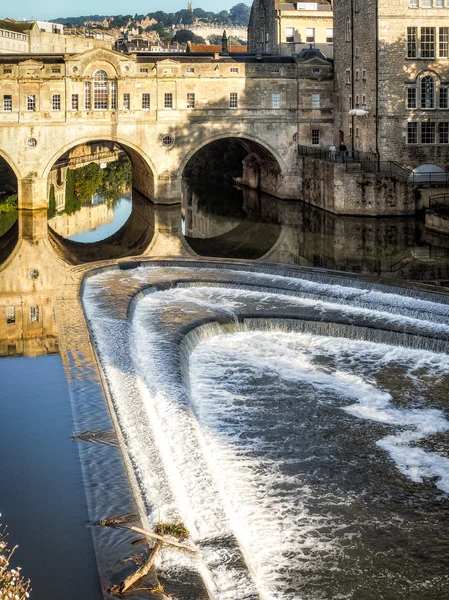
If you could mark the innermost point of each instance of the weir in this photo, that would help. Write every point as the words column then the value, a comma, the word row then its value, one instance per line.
column 199, row 444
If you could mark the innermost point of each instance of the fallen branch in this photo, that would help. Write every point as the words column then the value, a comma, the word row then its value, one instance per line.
column 160, row 538
column 141, row 572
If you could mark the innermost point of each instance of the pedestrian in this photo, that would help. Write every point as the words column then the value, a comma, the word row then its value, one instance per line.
column 343, row 151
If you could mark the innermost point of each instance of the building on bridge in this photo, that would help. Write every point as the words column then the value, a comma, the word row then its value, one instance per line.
column 392, row 79
column 287, row 28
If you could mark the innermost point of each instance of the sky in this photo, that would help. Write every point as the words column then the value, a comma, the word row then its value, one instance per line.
column 51, row 9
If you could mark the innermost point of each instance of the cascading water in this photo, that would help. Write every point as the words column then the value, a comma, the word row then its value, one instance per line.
column 302, row 453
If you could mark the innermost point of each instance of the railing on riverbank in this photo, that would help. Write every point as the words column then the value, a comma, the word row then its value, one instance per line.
column 439, row 202
column 365, row 162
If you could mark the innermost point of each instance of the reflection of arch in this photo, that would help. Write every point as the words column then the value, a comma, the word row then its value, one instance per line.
column 144, row 172
column 252, row 144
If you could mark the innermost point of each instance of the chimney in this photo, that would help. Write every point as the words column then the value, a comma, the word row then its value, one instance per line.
column 224, row 44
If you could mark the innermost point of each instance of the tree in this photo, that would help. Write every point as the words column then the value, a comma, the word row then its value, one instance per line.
column 240, row 14
column 87, row 181
column 51, row 210
column 185, row 17
column 223, row 17
column 185, row 35
column 71, row 201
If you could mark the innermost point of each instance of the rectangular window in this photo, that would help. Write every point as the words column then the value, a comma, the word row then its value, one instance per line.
column 444, row 97
column 443, row 133
column 101, row 92
column 113, row 95
column 427, row 133
column 10, row 315
column 143, row 69
column 31, row 102
column 412, row 133
column 357, row 75
column 350, row 102
column 443, row 42
column 348, row 76
column 428, row 42
column 316, row 101
column 427, row 3
column 289, row 34
column 190, row 100
column 56, row 102
column 190, row 70
column 87, row 95
column 315, row 137
column 363, row 75
column 168, row 100
column 145, row 101
column 412, row 42
column 310, row 35
column 7, row 71
column 439, row 3
column 55, row 70
column 233, row 100
column 411, row 97
column 234, row 69
column 75, row 102
column 329, row 36
column 276, row 100
column 413, row 3
column 356, row 101
column 7, row 103
column 34, row 314
column 126, row 101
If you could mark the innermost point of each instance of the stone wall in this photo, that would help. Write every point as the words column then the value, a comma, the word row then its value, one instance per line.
column 329, row 186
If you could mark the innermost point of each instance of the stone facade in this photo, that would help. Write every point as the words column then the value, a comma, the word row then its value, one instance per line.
column 287, row 28
column 392, row 67
column 160, row 110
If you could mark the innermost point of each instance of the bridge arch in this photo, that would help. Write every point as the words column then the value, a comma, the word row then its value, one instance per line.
column 144, row 172
column 253, row 144
column 11, row 164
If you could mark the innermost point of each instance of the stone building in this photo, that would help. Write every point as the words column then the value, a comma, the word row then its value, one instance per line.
column 287, row 28
column 41, row 37
column 392, row 79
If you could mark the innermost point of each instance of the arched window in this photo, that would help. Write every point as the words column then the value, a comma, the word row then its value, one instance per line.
column 427, row 92
column 100, row 90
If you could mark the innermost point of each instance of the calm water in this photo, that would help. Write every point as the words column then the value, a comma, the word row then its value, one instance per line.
column 42, row 497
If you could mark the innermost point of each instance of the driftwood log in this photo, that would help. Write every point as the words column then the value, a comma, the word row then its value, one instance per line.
column 146, row 567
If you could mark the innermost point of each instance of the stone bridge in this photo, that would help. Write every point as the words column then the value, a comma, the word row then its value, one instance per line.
column 160, row 109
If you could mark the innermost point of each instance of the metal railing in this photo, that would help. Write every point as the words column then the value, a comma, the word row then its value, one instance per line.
column 365, row 162
column 439, row 202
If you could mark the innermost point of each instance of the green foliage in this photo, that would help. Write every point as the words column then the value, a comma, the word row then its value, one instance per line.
column 116, row 180
column 87, row 181
column 239, row 14
column 72, row 204
column 184, row 35
column 51, row 210
column 177, row 530
column 8, row 214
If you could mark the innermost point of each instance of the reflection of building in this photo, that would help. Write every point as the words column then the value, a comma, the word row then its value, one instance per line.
column 205, row 224
column 287, row 28
column 86, row 219
column 27, row 324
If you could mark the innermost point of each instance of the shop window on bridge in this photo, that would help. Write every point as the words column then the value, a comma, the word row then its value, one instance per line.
column 126, row 101
column 113, row 95
column 31, row 102
column 233, row 100
column 7, row 103
column 56, row 102
column 101, row 91
column 315, row 137
column 146, row 101
column 316, row 101
column 10, row 315
column 75, row 102
column 87, row 95
column 34, row 314
column 190, row 100
column 168, row 100
column 276, row 100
